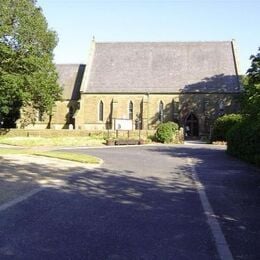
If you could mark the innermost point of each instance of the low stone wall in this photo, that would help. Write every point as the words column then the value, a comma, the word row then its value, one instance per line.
column 107, row 134
column 144, row 134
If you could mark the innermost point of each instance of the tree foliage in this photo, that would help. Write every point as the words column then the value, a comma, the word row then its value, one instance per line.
column 251, row 98
column 244, row 138
column 222, row 125
column 27, row 73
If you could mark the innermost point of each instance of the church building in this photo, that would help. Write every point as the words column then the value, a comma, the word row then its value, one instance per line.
column 146, row 83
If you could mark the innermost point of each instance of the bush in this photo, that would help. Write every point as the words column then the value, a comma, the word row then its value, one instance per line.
column 165, row 132
column 222, row 125
column 244, row 141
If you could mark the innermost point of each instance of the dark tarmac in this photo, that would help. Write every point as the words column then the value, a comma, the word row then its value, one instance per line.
column 142, row 203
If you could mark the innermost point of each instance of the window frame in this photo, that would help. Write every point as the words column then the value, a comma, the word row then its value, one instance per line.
column 101, row 111
column 161, row 111
column 130, row 110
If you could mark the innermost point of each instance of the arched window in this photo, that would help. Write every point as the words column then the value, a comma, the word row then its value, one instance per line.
column 39, row 115
column 221, row 108
column 161, row 111
column 130, row 110
column 101, row 111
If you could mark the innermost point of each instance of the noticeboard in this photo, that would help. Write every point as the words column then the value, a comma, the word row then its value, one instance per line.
column 123, row 124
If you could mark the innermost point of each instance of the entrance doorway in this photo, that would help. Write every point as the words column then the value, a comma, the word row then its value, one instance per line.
column 191, row 126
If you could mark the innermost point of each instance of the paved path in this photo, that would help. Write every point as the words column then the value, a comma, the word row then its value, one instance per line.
column 153, row 202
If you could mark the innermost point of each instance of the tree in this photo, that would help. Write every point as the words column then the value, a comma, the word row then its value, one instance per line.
column 27, row 73
column 251, row 99
column 243, row 138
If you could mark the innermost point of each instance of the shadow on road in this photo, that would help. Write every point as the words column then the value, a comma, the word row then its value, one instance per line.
column 106, row 214
column 233, row 189
column 116, row 214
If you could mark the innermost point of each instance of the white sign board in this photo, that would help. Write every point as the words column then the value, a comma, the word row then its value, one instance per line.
column 123, row 124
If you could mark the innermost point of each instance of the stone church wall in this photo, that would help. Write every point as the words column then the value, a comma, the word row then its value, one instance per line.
column 84, row 114
column 62, row 117
column 176, row 107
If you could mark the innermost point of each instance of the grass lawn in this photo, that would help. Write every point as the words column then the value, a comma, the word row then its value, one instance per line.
column 53, row 141
column 76, row 157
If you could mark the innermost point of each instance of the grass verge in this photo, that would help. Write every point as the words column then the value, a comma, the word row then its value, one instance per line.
column 53, row 141
column 76, row 157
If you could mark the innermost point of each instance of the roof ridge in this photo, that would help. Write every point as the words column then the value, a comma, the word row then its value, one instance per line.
column 139, row 42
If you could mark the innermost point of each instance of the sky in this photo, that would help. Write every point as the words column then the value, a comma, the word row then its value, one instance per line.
column 77, row 21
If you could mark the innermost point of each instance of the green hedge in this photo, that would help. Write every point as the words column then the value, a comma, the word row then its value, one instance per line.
column 243, row 141
column 165, row 132
column 222, row 125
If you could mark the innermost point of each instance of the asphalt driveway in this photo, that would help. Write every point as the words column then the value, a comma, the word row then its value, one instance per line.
column 142, row 203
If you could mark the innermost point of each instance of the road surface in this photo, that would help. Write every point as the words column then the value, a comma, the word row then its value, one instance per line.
column 144, row 202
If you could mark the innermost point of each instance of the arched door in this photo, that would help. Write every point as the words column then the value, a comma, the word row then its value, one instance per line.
column 191, row 126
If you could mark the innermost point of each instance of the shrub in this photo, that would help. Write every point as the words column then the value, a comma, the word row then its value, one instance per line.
column 165, row 132
column 244, row 141
column 222, row 125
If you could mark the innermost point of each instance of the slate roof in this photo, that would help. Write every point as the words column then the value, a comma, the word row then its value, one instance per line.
column 70, row 79
column 161, row 67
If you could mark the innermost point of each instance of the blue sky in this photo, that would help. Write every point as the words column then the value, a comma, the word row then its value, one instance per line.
column 77, row 21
